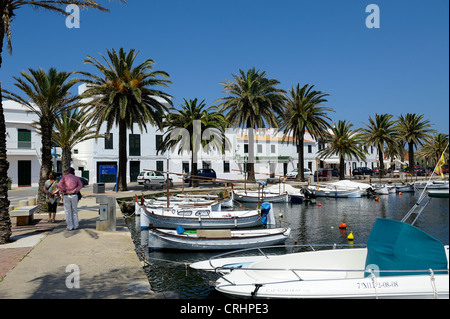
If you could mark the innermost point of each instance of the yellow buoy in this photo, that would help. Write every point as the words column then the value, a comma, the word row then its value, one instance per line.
column 351, row 237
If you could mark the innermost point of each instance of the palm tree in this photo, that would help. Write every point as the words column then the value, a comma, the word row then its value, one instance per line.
column 46, row 95
column 433, row 148
column 253, row 101
column 8, row 10
column 381, row 132
column 124, row 95
column 72, row 128
column 305, row 113
column 345, row 143
column 413, row 129
column 193, row 126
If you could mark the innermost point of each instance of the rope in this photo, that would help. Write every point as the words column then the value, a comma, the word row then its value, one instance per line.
column 374, row 281
column 433, row 284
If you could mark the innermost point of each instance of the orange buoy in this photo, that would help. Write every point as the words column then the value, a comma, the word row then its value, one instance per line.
column 320, row 205
column 377, row 198
column 400, row 193
column 343, row 226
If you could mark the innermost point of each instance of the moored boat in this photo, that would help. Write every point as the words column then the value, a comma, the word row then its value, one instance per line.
column 196, row 217
column 400, row 261
column 216, row 239
column 441, row 193
column 257, row 197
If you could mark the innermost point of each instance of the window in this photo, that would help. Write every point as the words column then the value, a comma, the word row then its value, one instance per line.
column 309, row 149
column 273, row 149
column 24, row 139
column 135, row 145
column 160, row 166
column 245, row 148
column 109, row 141
column 186, row 167
column 159, row 139
column 226, row 167
column 260, row 148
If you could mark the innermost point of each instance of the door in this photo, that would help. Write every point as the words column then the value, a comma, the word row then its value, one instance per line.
column 135, row 169
column 24, row 173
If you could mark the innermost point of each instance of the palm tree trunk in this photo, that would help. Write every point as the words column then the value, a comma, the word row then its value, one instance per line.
column 5, row 220
column 411, row 157
column 46, row 166
column 66, row 157
column 341, row 168
column 122, row 156
column 381, row 160
column 301, row 164
column 251, row 154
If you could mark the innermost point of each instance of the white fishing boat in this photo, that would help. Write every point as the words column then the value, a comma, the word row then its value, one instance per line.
column 335, row 191
column 201, row 217
column 400, row 261
column 381, row 190
column 441, row 193
column 408, row 188
column 258, row 197
column 420, row 185
column 215, row 239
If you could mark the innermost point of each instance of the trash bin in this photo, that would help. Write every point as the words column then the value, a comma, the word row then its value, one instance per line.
column 99, row 188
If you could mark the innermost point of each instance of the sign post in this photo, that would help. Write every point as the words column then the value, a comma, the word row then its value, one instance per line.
column 110, row 170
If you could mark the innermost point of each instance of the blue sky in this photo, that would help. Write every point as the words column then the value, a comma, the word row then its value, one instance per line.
column 401, row 67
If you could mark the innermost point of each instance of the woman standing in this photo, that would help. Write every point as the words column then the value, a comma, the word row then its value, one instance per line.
column 52, row 198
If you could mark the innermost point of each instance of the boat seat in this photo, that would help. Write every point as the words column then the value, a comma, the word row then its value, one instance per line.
column 214, row 233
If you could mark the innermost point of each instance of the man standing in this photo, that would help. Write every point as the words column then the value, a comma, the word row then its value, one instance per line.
column 69, row 186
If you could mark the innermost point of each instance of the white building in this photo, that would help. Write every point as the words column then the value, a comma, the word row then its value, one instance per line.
column 23, row 145
column 272, row 157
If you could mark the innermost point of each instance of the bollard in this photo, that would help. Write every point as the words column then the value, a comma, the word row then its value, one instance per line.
column 107, row 212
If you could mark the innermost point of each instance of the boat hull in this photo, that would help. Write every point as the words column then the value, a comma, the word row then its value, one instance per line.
column 440, row 193
column 254, row 198
column 356, row 193
column 161, row 218
column 295, row 276
column 226, row 240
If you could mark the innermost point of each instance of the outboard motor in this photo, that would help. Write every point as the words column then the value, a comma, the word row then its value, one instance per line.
column 267, row 217
column 309, row 194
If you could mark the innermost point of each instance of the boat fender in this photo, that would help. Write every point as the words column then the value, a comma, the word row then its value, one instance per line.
column 343, row 226
column 180, row 230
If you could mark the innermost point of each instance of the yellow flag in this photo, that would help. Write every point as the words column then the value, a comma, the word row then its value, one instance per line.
column 439, row 169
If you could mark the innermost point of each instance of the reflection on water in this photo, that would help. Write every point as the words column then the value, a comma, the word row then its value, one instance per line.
column 310, row 224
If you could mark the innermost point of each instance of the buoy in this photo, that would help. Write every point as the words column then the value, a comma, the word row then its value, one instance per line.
column 400, row 193
column 343, row 226
column 377, row 198
column 320, row 205
column 351, row 237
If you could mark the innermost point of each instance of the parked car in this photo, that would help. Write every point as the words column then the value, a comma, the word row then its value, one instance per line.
column 206, row 174
column 362, row 171
column 147, row 178
column 294, row 173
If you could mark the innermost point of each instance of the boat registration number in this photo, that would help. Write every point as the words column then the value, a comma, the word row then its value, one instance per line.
column 378, row 284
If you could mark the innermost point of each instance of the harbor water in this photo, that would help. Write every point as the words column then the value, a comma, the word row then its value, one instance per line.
column 169, row 271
